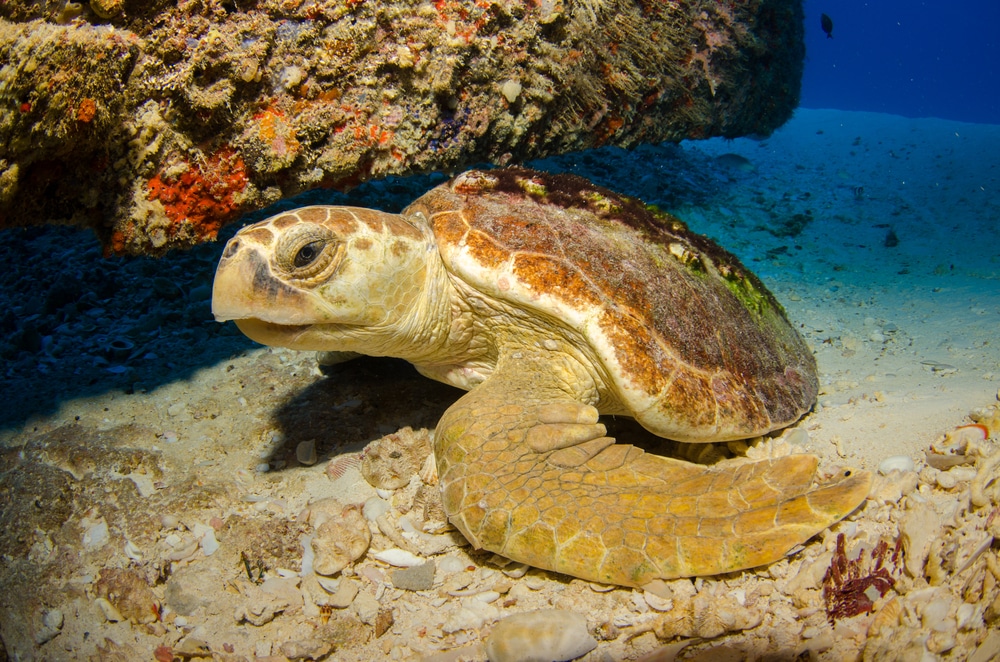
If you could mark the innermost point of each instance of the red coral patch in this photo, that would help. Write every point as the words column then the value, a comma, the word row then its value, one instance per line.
column 203, row 196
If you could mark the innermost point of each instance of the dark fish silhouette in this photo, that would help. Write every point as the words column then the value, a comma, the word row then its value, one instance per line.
column 827, row 24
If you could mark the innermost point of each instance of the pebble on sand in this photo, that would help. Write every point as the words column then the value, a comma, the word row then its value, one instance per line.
column 415, row 578
column 540, row 636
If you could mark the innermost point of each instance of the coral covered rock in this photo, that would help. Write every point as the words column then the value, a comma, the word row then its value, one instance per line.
column 155, row 123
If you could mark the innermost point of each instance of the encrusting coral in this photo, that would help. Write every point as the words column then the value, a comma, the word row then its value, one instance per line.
column 156, row 123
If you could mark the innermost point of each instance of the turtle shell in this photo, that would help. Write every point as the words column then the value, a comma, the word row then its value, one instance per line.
column 689, row 342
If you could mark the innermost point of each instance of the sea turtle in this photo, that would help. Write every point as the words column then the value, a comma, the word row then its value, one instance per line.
column 553, row 300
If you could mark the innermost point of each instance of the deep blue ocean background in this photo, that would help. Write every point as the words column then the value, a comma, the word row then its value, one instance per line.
column 918, row 59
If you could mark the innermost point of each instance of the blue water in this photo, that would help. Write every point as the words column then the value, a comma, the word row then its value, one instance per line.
column 914, row 58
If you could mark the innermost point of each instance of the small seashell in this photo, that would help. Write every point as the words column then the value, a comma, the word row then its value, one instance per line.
column 374, row 508
column 429, row 472
column 328, row 584
column 398, row 557
column 896, row 463
column 132, row 552
column 108, row 610
column 550, row 634
column 966, row 434
column 971, row 550
column 209, row 544
column 657, row 603
column 339, row 466
column 535, row 582
column 886, row 618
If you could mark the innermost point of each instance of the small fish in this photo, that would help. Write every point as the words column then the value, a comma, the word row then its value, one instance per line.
column 827, row 24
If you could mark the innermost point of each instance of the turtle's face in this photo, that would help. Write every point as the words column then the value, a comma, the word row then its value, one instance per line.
column 313, row 277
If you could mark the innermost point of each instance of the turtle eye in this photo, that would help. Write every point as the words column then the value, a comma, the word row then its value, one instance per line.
column 307, row 254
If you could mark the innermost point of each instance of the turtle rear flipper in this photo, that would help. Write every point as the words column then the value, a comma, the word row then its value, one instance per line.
column 582, row 505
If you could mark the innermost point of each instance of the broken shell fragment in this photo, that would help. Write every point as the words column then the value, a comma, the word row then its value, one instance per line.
column 964, row 434
column 398, row 557
column 944, row 461
column 896, row 463
column 108, row 610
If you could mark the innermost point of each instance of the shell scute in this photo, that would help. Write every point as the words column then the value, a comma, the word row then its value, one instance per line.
column 552, row 277
column 640, row 355
column 484, row 249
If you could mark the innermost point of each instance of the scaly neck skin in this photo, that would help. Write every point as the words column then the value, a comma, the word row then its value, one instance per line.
column 426, row 333
column 422, row 328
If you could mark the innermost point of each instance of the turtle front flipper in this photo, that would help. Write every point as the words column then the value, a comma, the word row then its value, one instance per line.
column 527, row 473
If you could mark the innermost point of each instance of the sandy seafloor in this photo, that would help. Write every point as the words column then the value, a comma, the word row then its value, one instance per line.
column 150, row 455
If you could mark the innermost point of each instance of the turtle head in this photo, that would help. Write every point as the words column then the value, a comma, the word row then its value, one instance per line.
column 324, row 278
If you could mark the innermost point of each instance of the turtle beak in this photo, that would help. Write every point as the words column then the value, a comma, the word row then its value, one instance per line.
column 245, row 289
column 264, row 308
column 244, row 285
column 230, row 296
